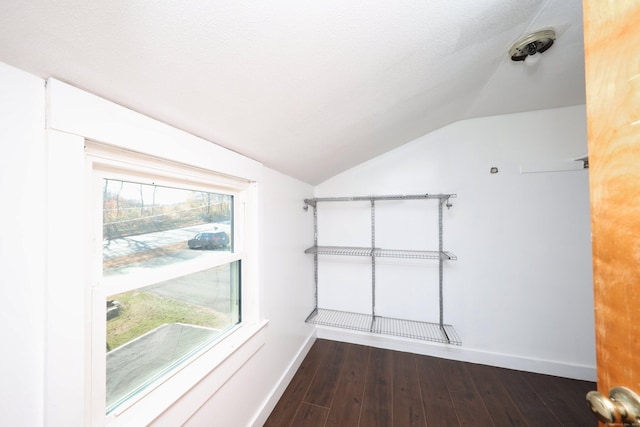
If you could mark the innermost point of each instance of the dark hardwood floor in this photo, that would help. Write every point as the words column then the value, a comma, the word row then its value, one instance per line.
column 348, row 385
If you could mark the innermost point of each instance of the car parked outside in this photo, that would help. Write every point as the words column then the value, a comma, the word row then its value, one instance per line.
column 212, row 240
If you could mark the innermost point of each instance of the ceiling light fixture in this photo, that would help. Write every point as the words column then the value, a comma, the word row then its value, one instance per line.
column 537, row 42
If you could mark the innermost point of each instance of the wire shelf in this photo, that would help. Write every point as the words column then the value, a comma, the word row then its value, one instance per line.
column 425, row 331
column 339, row 250
column 379, row 252
column 402, row 253
column 312, row 202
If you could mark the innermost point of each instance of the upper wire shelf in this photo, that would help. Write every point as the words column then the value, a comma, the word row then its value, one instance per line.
column 313, row 201
column 379, row 252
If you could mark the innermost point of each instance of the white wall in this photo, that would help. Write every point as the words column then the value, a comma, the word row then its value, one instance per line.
column 285, row 282
column 520, row 293
column 287, row 297
column 22, row 243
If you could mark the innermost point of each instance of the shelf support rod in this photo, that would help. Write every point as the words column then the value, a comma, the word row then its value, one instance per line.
column 441, row 203
column 315, row 255
column 373, row 264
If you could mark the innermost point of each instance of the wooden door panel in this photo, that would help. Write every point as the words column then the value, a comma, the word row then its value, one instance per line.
column 612, row 60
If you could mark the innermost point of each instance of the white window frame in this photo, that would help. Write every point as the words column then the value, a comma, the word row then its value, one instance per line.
column 71, row 373
column 104, row 162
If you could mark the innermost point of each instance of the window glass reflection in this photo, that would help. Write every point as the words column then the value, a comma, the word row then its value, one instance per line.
column 147, row 226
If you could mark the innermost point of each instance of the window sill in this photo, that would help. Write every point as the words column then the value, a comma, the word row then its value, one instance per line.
column 197, row 379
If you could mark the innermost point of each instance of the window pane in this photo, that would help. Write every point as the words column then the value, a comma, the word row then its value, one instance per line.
column 152, row 329
column 146, row 226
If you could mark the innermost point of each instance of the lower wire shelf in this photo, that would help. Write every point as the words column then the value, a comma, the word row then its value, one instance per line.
column 426, row 331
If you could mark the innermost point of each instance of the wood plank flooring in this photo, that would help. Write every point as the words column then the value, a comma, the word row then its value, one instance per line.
column 348, row 385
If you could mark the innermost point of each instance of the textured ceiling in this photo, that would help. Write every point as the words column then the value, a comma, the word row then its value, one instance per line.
column 307, row 88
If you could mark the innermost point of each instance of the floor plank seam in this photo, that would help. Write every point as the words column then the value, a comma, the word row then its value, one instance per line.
column 453, row 403
column 515, row 404
column 392, row 388
column 542, row 400
column 335, row 391
column 364, row 387
column 451, row 399
column 478, row 393
column 317, row 406
column 306, row 392
column 424, row 412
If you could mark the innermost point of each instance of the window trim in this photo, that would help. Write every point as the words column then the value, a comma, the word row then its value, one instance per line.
column 77, row 112
column 74, row 116
column 103, row 162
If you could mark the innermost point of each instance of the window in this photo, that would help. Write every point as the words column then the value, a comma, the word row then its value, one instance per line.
column 167, row 286
column 81, row 289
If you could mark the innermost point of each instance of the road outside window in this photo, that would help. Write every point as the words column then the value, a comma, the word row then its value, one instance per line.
column 146, row 226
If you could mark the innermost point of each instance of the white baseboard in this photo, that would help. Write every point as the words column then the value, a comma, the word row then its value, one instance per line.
column 282, row 384
column 454, row 352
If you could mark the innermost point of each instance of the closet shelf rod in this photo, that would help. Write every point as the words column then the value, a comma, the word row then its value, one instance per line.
column 313, row 201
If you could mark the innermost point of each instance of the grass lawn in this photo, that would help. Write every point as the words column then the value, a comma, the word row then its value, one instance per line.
column 141, row 312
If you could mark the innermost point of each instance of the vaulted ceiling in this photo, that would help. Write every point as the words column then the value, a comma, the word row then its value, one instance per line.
column 307, row 88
